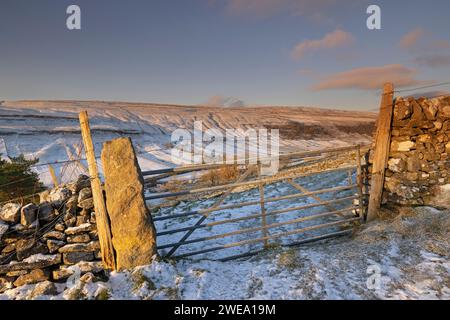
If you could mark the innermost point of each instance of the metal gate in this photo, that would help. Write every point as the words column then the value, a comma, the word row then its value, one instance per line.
column 314, row 196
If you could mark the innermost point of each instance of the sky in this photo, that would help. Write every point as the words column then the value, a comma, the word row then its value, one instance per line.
column 253, row 52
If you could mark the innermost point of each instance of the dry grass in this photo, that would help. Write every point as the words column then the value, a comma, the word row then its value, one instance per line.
column 289, row 259
column 173, row 185
column 416, row 224
column 220, row 176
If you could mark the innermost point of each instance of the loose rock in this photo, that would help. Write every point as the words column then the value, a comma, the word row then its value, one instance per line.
column 10, row 212
column 35, row 276
column 28, row 214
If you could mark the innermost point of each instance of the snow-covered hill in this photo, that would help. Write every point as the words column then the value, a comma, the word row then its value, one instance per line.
column 49, row 130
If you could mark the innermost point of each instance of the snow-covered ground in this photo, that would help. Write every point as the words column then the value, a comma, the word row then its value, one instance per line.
column 403, row 259
column 407, row 258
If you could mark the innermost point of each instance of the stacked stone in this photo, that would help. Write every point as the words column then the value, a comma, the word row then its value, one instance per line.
column 418, row 164
column 44, row 242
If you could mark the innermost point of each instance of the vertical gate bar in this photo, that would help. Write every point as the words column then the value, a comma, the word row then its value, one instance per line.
column 350, row 179
column 359, row 182
column 263, row 209
column 215, row 205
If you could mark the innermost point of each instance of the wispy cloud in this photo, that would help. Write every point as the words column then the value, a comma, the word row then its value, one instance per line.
column 369, row 78
column 335, row 39
column 420, row 36
column 433, row 61
column 412, row 38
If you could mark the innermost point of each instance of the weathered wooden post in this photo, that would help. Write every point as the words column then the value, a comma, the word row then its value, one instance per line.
column 104, row 232
column 381, row 151
column 133, row 232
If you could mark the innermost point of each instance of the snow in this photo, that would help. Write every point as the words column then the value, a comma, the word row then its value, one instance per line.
column 412, row 259
column 40, row 257
column 333, row 269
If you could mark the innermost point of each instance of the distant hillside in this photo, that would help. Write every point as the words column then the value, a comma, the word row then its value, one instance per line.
column 50, row 130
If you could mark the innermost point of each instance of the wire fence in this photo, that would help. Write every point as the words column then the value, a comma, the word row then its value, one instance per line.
column 425, row 94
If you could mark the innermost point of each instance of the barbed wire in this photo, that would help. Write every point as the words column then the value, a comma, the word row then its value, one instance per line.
column 423, row 87
column 380, row 92
column 97, row 157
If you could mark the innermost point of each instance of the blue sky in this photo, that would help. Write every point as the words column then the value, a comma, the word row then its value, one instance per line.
column 185, row 52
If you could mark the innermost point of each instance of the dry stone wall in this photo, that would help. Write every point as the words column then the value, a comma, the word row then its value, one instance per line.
column 50, row 241
column 418, row 164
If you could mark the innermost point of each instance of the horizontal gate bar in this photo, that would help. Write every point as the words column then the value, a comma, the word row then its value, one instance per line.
column 309, row 240
column 241, row 184
column 254, row 229
column 275, row 236
column 281, row 156
column 255, row 216
column 250, row 203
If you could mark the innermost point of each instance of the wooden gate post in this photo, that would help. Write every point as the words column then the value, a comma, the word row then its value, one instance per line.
column 103, row 228
column 381, row 150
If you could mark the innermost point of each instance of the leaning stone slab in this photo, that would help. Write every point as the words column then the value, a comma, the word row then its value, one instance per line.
column 33, row 262
column 440, row 197
column 133, row 232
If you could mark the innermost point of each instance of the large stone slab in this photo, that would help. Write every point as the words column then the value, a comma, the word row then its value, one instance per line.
column 133, row 232
column 440, row 197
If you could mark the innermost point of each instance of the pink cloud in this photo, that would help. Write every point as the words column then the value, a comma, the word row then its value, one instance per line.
column 412, row 38
column 441, row 44
column 335, row 39
column 368, row 78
